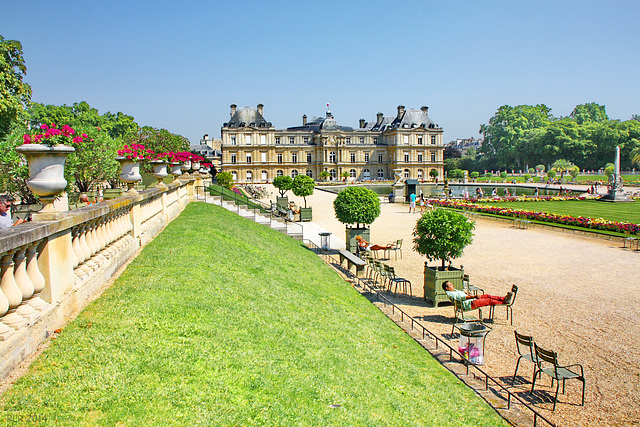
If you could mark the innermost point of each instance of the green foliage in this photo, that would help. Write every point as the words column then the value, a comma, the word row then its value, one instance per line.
column 591, row 112
column 635, row 156
column 527, row 177
column 345, row 175
column 532, row 170
column 357, row 205
column 442, row 235
column 302, row 186
column 504, row 175
column 94, row 160
column 15, row 95
column 551, row 174
column 488, row 174
column 14, row 171
column 325, row 175
column 540, row 168
column 225, row 179
column 474, row 175
column 562, row 166
column 456, row 174
column 609, row 170
column 574, row 172
column 283, row 183
column 433, row 173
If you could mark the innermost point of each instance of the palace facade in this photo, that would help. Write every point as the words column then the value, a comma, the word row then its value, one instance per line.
column 254, row 151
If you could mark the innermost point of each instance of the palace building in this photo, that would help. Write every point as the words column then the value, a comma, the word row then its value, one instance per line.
column 254, row 151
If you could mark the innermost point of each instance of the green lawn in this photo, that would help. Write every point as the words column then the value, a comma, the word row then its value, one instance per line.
column 628, row 212
column 220, row 321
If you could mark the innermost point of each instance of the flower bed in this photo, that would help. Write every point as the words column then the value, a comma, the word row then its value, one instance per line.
column 583, row 222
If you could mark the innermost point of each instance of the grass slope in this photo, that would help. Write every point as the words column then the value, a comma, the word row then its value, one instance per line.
column 629, row 212
column 221, row 321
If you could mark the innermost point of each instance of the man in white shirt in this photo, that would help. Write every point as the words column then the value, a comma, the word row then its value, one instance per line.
column 5, row 216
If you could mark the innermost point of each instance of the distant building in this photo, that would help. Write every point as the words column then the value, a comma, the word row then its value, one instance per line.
column 209, row 148
column 254, row 151
column 464, row 144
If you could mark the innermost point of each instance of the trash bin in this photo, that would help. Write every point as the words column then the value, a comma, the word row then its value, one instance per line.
column 471, row 345
column 324, row 241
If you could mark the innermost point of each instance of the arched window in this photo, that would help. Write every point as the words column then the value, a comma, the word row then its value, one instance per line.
column 333, row 173
column 352, row 173
column 264, row 175
column 309, row 173
column 294, row 173
column 366, row 174
column 279, row 172
column 234, row 175
column 380, row 173
column 406, row 173
column 332, row 157
column 420, row 173
column 249, row 176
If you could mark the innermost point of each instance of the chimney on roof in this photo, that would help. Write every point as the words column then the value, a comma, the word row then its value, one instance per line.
column 379, row 118
column 425, row 109
column 261, row 109
column 304, row 120
column 400, row 111
column 233, row 109
column 361, row 123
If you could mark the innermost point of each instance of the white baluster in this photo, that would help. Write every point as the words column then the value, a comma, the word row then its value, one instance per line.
column 24, row 284
column 11, row 291
column 33, row 271
column 77, row 250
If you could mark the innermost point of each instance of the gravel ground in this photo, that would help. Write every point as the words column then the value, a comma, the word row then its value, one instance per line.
column 577, row 295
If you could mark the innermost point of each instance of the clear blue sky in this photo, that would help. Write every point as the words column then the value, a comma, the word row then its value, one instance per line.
column 180, row 64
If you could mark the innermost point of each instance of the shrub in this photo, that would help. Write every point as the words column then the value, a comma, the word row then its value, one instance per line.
column 527, row 177
column 474, row 175
column 504, row 175
column 283, row 184
column 357, row 205
column 225, row 179
column 302, row 186
column 442, row 234
column 551, row 174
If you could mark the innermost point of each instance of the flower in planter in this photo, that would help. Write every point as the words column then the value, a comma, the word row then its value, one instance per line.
column 136, row 152
column 164, row 157
column 50, row 135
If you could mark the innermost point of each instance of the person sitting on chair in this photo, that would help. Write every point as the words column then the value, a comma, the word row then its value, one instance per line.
column 470, row 302
column 363, row 245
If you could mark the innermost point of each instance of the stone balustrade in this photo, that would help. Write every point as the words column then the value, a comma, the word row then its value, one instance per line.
column 50, row 270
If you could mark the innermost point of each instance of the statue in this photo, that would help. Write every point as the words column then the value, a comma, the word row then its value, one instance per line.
column 616, row 192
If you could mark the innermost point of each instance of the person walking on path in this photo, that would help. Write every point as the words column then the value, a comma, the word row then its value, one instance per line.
column 422, row 203
column 412, row 202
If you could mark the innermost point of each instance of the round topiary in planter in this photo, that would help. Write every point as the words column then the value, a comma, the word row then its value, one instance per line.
column 356, row 206
column 441, row 235
column 283, row 183
column 303, row 186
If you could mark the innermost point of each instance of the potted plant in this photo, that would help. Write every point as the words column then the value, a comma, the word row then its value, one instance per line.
column 46, row 153
column 159, row 163
column 130, row 158
column 325, row 175
column 356, row 207
column 283, row 184
column 302, row 186
column 441, row 235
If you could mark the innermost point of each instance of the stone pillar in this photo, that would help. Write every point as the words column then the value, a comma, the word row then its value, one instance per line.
column 135, row 216
column 56, row 265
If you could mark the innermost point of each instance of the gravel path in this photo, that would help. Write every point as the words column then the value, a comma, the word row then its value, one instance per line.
column 579, row 296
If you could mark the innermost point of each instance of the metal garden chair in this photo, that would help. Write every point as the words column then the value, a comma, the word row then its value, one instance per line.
column 556, row 372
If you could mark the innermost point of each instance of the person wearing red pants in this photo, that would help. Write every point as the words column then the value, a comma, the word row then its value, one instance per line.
column 470, row 302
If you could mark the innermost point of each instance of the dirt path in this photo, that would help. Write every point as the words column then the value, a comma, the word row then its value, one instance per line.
column 577, row 295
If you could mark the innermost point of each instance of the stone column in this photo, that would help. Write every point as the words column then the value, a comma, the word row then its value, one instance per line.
column 56, row 266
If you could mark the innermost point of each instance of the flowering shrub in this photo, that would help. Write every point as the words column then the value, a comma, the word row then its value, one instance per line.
column 186, row 156
column 165, row 157
column 136, row 152
column 581, row 221
column 54, row 136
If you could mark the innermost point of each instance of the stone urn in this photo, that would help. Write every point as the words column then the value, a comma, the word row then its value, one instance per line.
column 160, row 172
column 185, row 168
column 130, row 174
column 46, row 171
column 176, row 169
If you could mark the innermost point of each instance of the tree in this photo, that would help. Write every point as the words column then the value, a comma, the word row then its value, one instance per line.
column 283, row 184
column 325, row 175
column 575, row 171
column 451, row 152
column 302, row 186
column 225, row 179
column 562, row 166
column 433, row 173
column 14, row 171
column 345, row 175
column 590, row 112
column 15, row 95
column 357, row 205
column 551, row 174
column 94, row 160
column 474, row 175
column 442, row 235
column 635, row 155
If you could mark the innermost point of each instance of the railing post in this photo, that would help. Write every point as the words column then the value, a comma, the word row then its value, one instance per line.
column 56, row 265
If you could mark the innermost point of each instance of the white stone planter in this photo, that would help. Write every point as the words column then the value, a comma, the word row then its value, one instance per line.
column 160, row 172
column 46, row 171
column 176, row 169
column 130, row 174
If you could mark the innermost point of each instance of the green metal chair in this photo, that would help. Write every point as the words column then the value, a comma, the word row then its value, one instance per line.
column 526, row 351
column 464, row 316
column 395, row 280
column 556, row 372
column 467, row 286
column 395, row 247
column 508, row 307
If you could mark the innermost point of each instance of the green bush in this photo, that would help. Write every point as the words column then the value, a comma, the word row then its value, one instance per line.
column 504, row 175
column 442, row 234
column 551, row 174
column 357, row 205
column 283, row 184
column 527, row 177
column 302, row 186
column 474, row 175
column 225, row 179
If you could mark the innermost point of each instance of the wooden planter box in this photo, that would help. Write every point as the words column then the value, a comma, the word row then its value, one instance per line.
column 434, row 277
column 282, row 202
column 111, row 193
column 306, row 214
column 351, row 233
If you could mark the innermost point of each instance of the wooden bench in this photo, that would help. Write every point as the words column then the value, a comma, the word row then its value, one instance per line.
column 352, row 260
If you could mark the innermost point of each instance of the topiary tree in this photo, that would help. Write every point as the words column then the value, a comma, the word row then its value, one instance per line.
column 527, row 177
column 302, row 186
column 325, row 175
column 474, row 175
column 531, row 170
column 562, row 166
column 575, row 171
column 283, row 184
column 540, row 169
column 442, row 235
column 433, row 173
column 357, row 205
column 504, row 175
column 225, row 179
column 551, row 174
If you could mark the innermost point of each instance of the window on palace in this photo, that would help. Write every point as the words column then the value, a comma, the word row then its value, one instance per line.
column 292, row 140
column 419, row 140
column 405, row 139
column 375, row 139
column 332, row 157
column 353, row 157
column 433, row 140
column 406, row 157
column 420, row 173
column 309, row 158
column 352, row 173
column 380, row 173
column 294, row 173
column 233, row 139
column 366, row 157
column 263, row 157
column 433, row 156
column 234, row 175
column 233, row 158
column 263, row 139
column 348, row 140
column 247, row 139
column 333, row 174
column 277, row 140
column 406, row 173
column 294, row 157
column 309, row 173
column 420, row 157
column 263, row 175
column 362, row 140
column 249, row 176
column 366, row 174
column 380, row 157
column 279, row 157
column 306, row 139
column 279, row 172
column 248, row 157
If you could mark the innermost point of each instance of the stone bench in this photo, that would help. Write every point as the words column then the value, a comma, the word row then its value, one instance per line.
column 352, row 260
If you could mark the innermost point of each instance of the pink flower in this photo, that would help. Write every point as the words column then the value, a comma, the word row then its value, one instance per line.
column 77, row 140
column 84, row 135
column 44, row 127
column 26, row 139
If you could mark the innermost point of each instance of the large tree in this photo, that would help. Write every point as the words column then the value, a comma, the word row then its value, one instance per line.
column 15, row 94
column 590, row 112
column 507, row 131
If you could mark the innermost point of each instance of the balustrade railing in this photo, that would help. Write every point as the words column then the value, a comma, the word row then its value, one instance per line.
column 51, row 269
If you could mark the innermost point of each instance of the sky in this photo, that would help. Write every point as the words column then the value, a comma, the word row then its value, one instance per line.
column 179, row 65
